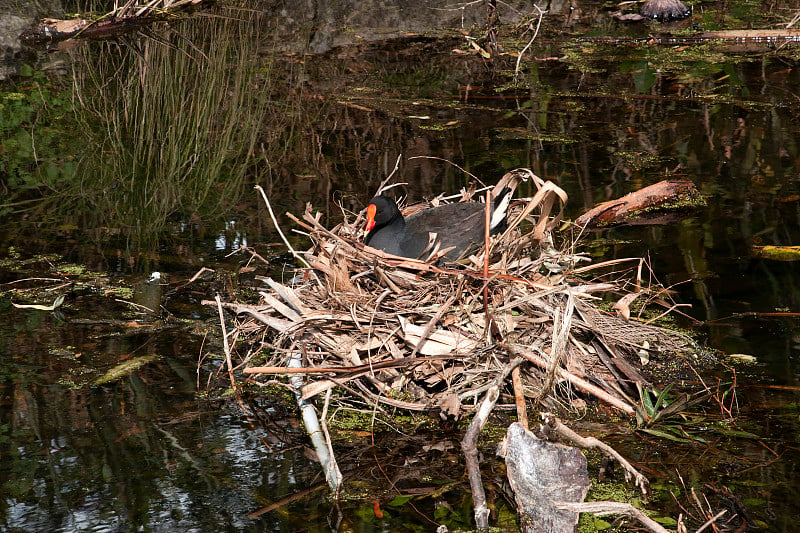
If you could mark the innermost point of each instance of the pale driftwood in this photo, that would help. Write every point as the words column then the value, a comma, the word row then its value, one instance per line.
column 548, row 477
column 541, row 474
column 332, row 473
column 753, row 35
column 613, row 508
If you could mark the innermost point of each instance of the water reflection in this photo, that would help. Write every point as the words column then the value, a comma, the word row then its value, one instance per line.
column 140, row 454
column 161, row 129
column 233, row 238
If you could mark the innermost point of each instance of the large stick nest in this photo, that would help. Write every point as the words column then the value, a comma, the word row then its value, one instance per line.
column 421, row 336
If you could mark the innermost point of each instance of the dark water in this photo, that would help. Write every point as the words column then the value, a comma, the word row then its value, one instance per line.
column 155, row 452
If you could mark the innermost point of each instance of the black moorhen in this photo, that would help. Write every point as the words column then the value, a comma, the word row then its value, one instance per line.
column 460, row 225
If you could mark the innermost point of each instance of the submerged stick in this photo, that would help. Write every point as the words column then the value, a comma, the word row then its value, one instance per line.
column 470, row 449
column 310, row 420
column 225, row 345
column 285, row 501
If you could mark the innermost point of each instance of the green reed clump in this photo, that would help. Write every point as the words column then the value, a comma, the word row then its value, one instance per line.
column 173, row 125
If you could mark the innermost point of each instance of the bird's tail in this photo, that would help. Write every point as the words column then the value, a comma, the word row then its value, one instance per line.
column 502, row 194
column 499, row 210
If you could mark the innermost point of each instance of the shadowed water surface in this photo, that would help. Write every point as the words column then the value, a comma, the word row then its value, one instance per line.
column 126, row 163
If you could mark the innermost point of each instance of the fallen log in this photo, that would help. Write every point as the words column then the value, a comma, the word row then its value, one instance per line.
column 127, row 18
column 655, row 204
column 770, row 36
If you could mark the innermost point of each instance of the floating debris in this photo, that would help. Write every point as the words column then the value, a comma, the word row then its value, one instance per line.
column 55, row 305
column 124, row 369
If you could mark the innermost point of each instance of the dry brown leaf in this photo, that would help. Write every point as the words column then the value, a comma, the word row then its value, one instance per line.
column 622, row 307
column 449, row 404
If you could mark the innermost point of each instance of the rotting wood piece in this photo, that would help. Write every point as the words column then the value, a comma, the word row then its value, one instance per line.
column 640, row 207
column 542, row 474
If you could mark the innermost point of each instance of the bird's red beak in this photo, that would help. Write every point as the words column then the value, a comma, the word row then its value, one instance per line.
column 370, row 218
